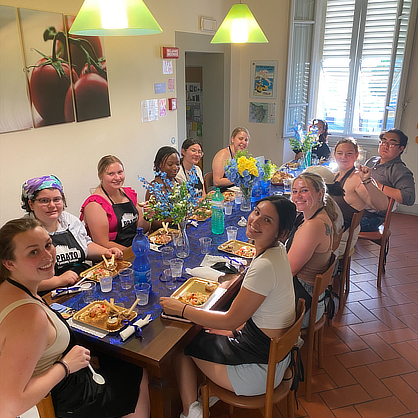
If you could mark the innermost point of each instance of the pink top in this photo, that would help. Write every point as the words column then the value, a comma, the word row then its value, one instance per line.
column 107, row 207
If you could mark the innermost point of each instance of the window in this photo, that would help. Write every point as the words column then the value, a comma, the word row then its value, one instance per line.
column 345, row 64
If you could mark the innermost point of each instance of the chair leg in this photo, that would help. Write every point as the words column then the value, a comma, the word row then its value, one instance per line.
column 231, row 409
column 205, row 399
column 291, row 404
column 309, row 366
column 347, row 275
column 321, row 347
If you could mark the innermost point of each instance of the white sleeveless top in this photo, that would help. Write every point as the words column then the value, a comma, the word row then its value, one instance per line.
column 54, row 352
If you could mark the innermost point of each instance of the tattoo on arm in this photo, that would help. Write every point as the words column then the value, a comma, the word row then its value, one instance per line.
column 327, row 229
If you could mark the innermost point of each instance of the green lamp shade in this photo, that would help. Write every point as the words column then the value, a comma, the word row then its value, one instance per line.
column 239, row 26
column 114, row 18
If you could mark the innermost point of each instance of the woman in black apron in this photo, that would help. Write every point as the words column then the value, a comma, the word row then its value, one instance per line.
column 43, row 198
column 112, row 213
column 191, row 151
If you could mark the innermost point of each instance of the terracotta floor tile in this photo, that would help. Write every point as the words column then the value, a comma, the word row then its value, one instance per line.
column 332, row 348
column 387, row 318
column 358, row 358
column 370, row 383
column 378, row 302
column 370, row 289
column 411, row 379
column 350, row 338
column 407, row 288
column 382, row 408
column 346, row 412
column 410, row 321
column 407, row 352
column 367, row 261
column 404, row 309
column 403, row 392
column 360, row 311
column 388, row 281
column 317, row 408
column 383, row 349
column 337, row 398
column 356, row 296
column 357, row 268
column 321, row 382
column 345, row 319
column 413, row 343
column 390, row 368
column 413, row 296
column 365, row 277
column 369, row 327
column 338, row 373
column 398, row 335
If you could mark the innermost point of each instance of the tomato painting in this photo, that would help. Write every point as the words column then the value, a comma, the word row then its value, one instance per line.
column 48, row 89
column 91, row 98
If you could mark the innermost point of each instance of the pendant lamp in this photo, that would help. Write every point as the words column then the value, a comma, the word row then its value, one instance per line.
column 114, row 18
column 239, row 26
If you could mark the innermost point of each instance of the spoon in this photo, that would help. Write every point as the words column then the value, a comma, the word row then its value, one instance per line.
column 98, row 378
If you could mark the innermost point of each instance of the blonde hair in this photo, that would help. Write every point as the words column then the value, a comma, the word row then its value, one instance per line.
column 318, row 184
column 105, row 162
column 239, row 129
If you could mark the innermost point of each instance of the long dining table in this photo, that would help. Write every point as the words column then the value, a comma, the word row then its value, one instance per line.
column 162, row 337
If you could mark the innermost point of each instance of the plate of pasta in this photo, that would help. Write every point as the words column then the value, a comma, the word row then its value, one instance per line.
column 196, row 291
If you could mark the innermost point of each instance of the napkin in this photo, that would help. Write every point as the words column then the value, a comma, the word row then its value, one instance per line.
column 154, row 247
column 205, row 273
column 128, row 331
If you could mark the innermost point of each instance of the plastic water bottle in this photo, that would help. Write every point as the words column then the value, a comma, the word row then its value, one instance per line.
column 142, row 265
column 218, row 216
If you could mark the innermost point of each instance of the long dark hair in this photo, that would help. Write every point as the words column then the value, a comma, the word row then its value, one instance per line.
column 324, row 135
column 7, row 245
column 286, row 210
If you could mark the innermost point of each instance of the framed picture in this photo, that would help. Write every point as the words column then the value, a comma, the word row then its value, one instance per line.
column 263, row 79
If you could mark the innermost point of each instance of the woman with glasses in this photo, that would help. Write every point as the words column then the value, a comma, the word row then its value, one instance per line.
column 191, row 152
column 360, row 190
column 43, row 198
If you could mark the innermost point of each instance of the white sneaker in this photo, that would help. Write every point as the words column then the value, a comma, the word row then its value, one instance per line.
column 212, row 400
column 195, row 411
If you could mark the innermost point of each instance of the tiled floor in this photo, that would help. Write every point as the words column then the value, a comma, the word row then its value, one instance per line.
column 371, row 349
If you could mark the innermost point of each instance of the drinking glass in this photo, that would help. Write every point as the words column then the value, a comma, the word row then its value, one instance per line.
column 205, row 244
column 228, row 208
column 286, row 185
column 126, row 278
column 88, row 292
column 170, row 281
column 176, row 266
column 231, row 232
column 167, row 254
column 106, row 283
column 142, row 291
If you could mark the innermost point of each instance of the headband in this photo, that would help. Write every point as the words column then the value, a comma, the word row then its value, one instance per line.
column 30, row 187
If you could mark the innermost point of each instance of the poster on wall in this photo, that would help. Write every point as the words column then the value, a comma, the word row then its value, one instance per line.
column 149, row 110
column 262, row 112
column 14, row 104
column 263, row 79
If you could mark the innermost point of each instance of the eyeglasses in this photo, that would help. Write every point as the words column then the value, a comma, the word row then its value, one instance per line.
column 198, row 152
column 46, row 200
column 389, row 144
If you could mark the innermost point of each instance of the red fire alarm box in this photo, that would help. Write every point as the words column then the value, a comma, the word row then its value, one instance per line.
column 170, row 52
column 172, row 104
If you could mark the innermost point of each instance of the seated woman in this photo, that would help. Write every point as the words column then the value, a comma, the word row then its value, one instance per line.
column 360, row 190
column 321, row 150
column 310, row 242
column 239, row 141
column 43, row 198
column 192, row 152
column 167, row 160
column 38, row 353
column 112, row 213
column 237, row 357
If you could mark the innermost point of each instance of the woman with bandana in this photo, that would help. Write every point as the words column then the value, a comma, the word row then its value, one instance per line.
column 43, row 198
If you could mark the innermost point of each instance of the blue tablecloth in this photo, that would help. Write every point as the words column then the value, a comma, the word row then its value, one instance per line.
column 127, row 297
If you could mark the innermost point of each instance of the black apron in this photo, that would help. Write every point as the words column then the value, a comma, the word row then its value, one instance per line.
column 70, row 255
column 126, row 215
column 198, row 185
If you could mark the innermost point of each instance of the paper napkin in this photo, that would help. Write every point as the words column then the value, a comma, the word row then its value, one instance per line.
column 127, row 332
column 205, row 273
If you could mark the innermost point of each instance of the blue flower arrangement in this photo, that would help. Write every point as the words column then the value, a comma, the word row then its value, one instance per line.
column 243, row 169
column 170, row 199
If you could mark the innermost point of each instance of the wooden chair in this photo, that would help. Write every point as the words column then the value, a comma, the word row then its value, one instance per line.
column 381, row 237
column 208, row 180
column 279, row 348
column 317, row 328
column 345, row 259
column 337, row 240
column 46, row 407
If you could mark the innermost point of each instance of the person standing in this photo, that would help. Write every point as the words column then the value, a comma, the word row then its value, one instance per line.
column 391, row 174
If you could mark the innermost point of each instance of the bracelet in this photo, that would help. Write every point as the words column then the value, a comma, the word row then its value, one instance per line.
column 367, row 181
column 182, row 312
column 65, row 365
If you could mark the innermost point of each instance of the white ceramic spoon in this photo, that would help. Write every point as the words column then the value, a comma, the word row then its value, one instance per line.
column 98, row 378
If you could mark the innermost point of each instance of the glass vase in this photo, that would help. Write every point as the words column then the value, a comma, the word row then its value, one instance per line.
column 246, row 198
column 181, row 241
column 265, row 188
column 306, row 159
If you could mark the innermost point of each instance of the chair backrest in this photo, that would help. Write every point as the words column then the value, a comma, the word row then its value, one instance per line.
column 280, row 347
column 355, row 222
column 321, row 283
column 208, row 180
column 388, row 218
column 337, row 239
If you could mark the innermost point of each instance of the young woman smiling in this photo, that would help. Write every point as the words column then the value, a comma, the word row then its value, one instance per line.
column 191, row 151
column 38, row 352
column 43, row 198
column 234, row 352
column 240, row 138
column 112, row 213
